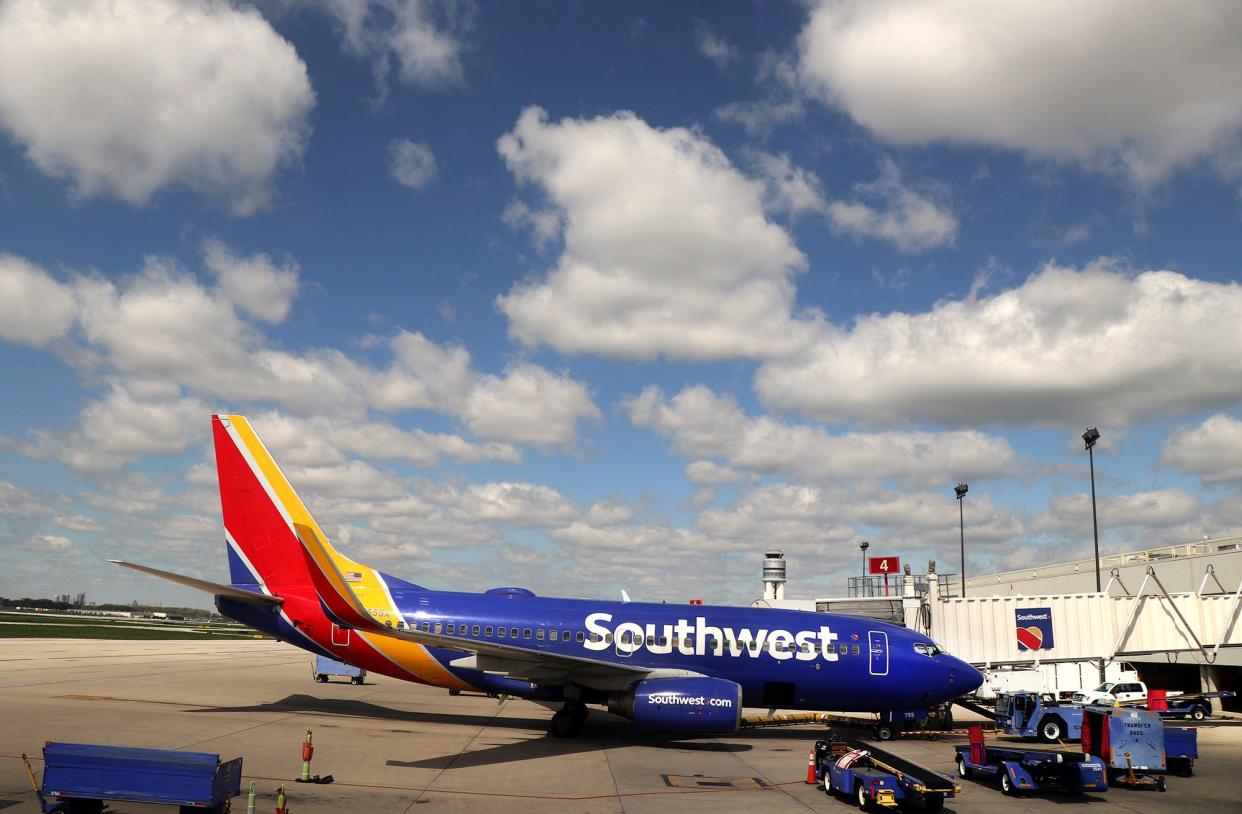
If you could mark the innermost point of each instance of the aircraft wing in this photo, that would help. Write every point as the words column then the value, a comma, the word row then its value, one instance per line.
column 516, row 661
column 247, row 597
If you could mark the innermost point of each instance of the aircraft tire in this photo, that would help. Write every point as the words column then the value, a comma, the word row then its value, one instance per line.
column 565, row 724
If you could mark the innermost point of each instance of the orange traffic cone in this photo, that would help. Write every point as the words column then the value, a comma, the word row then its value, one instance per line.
column 811, row 779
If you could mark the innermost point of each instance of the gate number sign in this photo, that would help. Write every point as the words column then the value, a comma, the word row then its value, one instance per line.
column 883, row 565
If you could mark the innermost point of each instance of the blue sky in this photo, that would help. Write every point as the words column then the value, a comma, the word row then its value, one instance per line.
column 591, row 296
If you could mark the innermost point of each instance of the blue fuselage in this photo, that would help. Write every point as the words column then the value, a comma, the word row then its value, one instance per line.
column 784, row 658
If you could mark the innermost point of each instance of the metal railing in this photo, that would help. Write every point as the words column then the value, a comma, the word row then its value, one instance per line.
column 873, row 586
column 1223, row 545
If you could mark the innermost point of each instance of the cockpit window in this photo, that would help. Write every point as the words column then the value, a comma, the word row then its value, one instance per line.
column 927, row 648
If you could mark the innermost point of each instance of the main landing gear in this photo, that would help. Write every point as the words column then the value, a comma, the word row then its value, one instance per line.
column 568, row 720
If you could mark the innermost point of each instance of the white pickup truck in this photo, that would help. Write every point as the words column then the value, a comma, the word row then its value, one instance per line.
column 1112, row 691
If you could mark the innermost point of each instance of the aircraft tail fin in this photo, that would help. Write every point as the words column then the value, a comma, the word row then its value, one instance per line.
column 261, row 512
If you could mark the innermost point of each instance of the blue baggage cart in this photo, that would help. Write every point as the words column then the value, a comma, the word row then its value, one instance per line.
column 1021, row 769
column 326, row 668
column 80, row 777
column 875, row 777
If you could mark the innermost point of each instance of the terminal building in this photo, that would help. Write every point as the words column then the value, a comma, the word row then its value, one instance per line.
column 1174, row 613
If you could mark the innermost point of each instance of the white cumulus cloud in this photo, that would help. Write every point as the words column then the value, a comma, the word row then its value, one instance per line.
column 1065, row 347
column 528, row 405
column 716, row 48
column 126, row 97
column 423, row 37
column 667, row 250
column 255, row 284
column 702, row 423
column 411, row 163
column 1212, row 450
column 34, row 307
column 1144, row 85
column 913, row 222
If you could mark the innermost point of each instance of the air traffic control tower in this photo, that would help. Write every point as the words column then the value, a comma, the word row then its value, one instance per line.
column 774, row 575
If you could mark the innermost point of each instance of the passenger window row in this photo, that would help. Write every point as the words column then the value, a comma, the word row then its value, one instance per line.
column 540, row 634
column 489, row 631
column 711, row 644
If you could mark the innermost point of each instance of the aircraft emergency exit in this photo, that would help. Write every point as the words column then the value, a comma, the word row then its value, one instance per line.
column 671, row 668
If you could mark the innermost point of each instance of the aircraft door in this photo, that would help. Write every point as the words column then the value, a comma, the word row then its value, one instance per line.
column 625, row 644
column 340, row 635
column 877, row 644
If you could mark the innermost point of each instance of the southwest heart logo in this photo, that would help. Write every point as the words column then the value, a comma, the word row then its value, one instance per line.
column 1030, row 638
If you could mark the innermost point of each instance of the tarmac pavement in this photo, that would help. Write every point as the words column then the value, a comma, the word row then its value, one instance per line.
column 398, row 747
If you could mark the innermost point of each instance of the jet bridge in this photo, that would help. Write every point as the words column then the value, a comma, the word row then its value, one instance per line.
column 1114, row 624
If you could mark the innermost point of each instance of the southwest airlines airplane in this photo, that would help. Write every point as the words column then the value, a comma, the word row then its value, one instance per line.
column 673, row 668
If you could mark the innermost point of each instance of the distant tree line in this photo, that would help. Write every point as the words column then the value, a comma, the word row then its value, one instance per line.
column 52, row 604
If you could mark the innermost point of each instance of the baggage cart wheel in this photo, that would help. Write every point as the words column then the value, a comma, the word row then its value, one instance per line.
column 1198, row 713
column 934, row 802
column 1007, row 786
column 884, row 732
column 355, row 680
column 963, row 770
column 827, row 781
column 1160, row 784
column 320, row 678
column 864, row 802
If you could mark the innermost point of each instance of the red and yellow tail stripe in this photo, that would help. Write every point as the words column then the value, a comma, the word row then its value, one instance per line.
column 358, row 601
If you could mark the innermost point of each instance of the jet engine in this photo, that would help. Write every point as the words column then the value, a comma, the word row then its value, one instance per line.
column 712, row 706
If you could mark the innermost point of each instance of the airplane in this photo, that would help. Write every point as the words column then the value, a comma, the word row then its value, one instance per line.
column 669, row 668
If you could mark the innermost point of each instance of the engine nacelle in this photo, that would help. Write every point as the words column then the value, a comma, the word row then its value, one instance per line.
column 709, row 705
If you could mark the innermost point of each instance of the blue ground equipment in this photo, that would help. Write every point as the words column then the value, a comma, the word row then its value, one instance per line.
column 875, row 777
column 1021, row 769
column 1136, row 746
column 79, row 777
column 1038, row 715
column 1196, row 707
column 325, row 668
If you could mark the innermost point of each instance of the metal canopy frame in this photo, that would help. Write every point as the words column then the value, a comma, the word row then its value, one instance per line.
column 1141, row 597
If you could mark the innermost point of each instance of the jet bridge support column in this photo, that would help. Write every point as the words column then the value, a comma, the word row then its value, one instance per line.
column 1209, row 681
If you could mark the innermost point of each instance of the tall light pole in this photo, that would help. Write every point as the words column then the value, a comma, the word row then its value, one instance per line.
column 1089, row 438
column 863, row 546
column 960, row 490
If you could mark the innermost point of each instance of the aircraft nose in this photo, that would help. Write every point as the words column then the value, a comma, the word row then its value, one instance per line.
column 962, row 677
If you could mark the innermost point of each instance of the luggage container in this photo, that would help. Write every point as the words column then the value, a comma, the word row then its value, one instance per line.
column 324, row 668
column 79, row 777
column 1134, row 744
